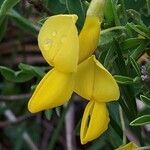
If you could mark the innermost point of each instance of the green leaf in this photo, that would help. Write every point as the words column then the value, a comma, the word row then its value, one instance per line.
column 48, row 113
column 132, row 42
column 136, row 29
column 136, row 16
column 76, row 7
column 23, row 23
column 139, row 50
column 114, row 9
column 22, row 76
column 37, row 71
column 25, row 74
column 135, row 66
column 148, row 6
column 3, row 28
column 108, row 11
column 107, row 38
column 42, row 20
column 5, row 7
column 142, row 120
column 109, row 56
column 145, row 99
column 56, row 6
column 7, row 73
column 123, row 79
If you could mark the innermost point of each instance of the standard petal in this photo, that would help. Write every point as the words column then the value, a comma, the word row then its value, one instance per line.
column 94, row 122
column 89, row 37
column 54, row 90
column 93, row 81
column 59, row 43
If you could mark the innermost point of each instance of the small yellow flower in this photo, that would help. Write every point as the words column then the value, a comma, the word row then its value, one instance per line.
column 75, row 69
column 129, row 146
column 57, row 85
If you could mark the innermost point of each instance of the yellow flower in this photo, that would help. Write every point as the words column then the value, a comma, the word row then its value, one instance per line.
column 57, row 85
column 129, row 146
column 74, row 70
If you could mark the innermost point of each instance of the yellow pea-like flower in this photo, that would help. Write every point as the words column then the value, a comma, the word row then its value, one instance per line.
column 129, row 146
column 57, row 85
column 75, row 70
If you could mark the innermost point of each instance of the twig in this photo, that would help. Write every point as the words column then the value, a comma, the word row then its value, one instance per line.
column 16, row 120
column 69, row 121
column 46, row 135
column 14, row 97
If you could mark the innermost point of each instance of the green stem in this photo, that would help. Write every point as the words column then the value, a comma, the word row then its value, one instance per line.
column 148, row 6
column 114, row 8
column 55, row 134
column 143, row 148
column 123, row 125
column 124, row 12
column 112, row 29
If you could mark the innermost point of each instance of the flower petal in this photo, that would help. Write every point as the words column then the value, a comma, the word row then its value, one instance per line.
column 54, row 90
column 89, row 37
column 94, row 122
column 129, row 146
column 93, row 81
column 59, row 43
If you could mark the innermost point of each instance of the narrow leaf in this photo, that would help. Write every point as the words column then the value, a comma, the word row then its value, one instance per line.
column 3, row 28
column 142, row 120
column 22, row 76
column 5, row 7
column 139, row 50
column 145, row 99
column 7, row 73
column 135, row 66
column 133, row 26
column 76, row 7
column 37, row 71
column 23, row 23
column 109, row 56
column 123, row 79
